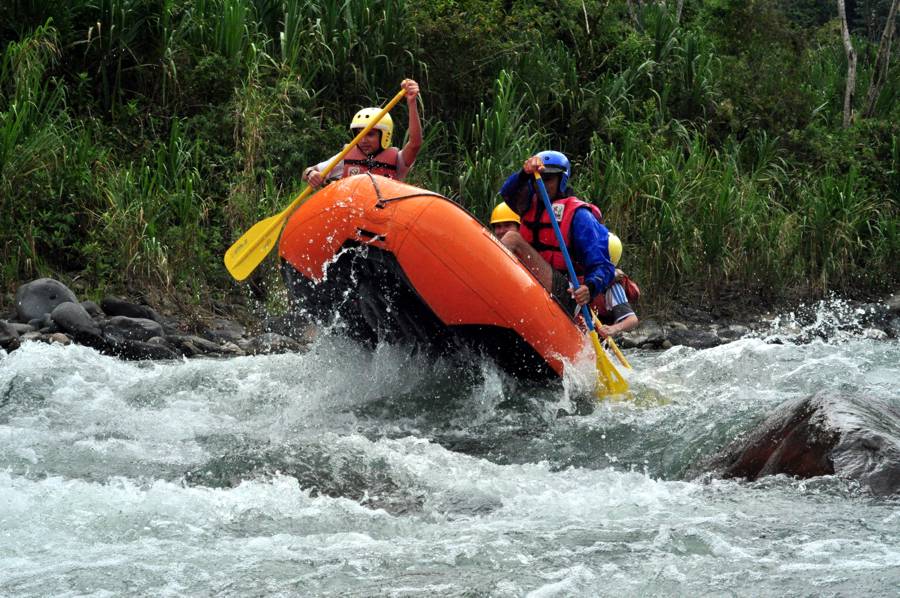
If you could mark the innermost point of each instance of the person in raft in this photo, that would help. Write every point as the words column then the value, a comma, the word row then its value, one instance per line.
column 613, row 307
column 374, row 152
column 581, row 223
column 503, row 220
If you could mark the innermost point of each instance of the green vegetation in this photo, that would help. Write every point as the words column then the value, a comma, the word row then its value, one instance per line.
column 139, row 138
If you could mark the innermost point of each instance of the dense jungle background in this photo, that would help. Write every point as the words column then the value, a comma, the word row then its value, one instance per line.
column 139, row 138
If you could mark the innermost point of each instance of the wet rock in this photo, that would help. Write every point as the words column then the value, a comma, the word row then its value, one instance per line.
column 695, row 314
column 737, row 330
column 893, row 304
column 192, row 346
column 164, row 342
column 59, row 338
column 853, row 438
column 41, row 296
column 892, row 327
column 698, row 339
column 648, row 334
column 134, row 329
column 114, row 306
column 232, row 349
column 140, row 350
column 875, row 334
column 291, row 325
column 9, row 337
column 271, row 343
column 74, row 319
column 21, row 328
column 222, row 330
column 40, row 323
column 93, row 309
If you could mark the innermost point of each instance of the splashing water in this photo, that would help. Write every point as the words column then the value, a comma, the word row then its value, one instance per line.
column 354, row 473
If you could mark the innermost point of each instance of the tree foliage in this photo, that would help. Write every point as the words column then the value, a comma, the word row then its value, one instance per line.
column 138, row 138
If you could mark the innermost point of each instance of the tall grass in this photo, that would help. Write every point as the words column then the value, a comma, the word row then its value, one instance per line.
column 138, row 138
column 152, row 209
column 34, row 131
column 687, row 212
column 500, row 138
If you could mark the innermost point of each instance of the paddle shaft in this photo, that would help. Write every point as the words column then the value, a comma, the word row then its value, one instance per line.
column 612, row 344
column 573, row 277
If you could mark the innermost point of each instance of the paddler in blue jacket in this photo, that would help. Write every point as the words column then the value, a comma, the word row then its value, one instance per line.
column 535, row 243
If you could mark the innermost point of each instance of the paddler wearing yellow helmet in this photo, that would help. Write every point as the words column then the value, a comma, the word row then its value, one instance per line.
column 374, row 153
column 614, row 307
column 503, row 220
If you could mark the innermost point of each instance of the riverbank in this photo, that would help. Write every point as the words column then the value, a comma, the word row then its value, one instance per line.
column 46, row 310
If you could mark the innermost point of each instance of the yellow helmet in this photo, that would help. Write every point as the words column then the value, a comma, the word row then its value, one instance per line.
column 386, row 125
column 615, row 249
column 503, row 213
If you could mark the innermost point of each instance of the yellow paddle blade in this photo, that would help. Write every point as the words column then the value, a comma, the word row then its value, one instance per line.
column 610, row 381
column 251, row 249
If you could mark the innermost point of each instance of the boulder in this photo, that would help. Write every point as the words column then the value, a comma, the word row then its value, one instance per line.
column 290, row 324
column 93, row 309
column 875, row 334
column 74, row 319
column 737, row 330
column 40, row 323
column 222, row 330
column 135, row 329
column 114, row 306
column 698, row 339
column 850, row 437
column 191, row 346
column 21, row 328
column 271, row 343
column 9, row 337
column 153, row 348
column 648, row 334
column 41, row 296
column 59, row 338
column 893, row 304
column 232, row 350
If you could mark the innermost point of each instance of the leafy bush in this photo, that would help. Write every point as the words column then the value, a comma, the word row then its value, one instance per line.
column 139, row 138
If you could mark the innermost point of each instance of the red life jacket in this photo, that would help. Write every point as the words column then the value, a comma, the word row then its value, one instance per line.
column 632, row 293
column 538, row 231
column 383, row 163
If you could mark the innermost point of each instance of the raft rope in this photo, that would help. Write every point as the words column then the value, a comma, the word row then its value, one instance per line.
column 382, row 201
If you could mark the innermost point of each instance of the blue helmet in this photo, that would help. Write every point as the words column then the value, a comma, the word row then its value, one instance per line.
column 556, row 162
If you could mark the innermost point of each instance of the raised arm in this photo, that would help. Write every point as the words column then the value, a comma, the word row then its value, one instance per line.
column 412, row 147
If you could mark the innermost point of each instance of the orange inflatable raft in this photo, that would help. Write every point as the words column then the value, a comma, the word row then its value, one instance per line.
column 401, row 264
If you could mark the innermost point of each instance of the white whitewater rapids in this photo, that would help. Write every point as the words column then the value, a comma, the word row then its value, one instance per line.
column 340, row 472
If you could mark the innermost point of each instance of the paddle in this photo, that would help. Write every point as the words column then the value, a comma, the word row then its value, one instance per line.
column 251, row 249
column 611, row 344
column 610, row 382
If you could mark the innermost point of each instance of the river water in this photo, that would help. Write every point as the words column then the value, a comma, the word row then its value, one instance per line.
column 341, row 472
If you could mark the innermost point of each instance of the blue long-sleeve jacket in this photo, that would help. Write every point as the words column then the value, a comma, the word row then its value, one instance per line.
column 590, row 248
column 588, row 239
